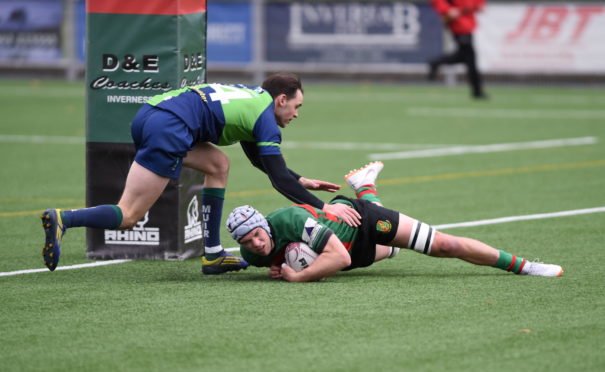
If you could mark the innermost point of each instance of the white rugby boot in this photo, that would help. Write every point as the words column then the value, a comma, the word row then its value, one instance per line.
column 365, row 175
column 541, row 269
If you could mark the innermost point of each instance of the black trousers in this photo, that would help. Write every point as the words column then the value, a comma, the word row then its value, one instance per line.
column 465, row 53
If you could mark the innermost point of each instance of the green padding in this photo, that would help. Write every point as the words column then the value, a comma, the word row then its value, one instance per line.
column 216, row 192
column 133, row 57
column 120, row 215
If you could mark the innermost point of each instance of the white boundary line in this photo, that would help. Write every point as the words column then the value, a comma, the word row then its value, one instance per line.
column 65, row 140
column 357, row 146
column 539, row 216
column 60, row 268
column 475, row 149
column 492, row 221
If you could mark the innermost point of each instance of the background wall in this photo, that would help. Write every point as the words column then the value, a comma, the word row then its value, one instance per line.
column 351, row 39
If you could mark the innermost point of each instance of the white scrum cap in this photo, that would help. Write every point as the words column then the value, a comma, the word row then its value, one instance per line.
column 244, row 219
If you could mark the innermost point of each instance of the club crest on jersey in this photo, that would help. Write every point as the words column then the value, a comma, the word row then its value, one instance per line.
column 310, row 231
column 384, row 226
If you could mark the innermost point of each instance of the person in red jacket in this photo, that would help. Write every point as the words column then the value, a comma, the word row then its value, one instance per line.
column 459, row 17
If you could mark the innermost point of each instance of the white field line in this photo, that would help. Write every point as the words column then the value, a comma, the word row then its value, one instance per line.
column 492, row 221
column 72, row 267
column 564, row 114
column 352, row 146
column 58, row 140
column 355, row 146
column 538, row 216
column 65, row 140
column 475, row 149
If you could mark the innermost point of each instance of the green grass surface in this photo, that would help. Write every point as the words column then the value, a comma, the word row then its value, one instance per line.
column 410, row 313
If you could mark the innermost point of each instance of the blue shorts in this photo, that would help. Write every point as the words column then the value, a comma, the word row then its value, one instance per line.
column 162, row 140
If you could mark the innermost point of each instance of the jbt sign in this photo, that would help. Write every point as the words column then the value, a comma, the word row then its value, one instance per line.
column 549, row 38
column 566, row 24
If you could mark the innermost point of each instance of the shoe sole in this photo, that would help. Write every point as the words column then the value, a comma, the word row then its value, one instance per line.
column 52, row 245
column 210, row 270
column 355, row 171
column 216, row 267
column 560, row 273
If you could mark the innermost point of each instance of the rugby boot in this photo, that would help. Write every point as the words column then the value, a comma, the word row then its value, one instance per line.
column 54, row 230
column 541, row 269
column 226, row 262
column 364, row 176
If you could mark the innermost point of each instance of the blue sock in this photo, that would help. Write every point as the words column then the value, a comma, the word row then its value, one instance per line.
column 100, row 217
column 212, row 212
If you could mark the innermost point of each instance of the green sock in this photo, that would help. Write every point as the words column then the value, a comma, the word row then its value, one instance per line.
column 510, row 262
column 100, row 217
column 368, row 193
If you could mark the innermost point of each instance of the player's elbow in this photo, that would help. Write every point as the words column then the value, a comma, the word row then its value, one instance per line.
column 284, row 186
column 280, row 181
column 337, row 252
column 343, row 259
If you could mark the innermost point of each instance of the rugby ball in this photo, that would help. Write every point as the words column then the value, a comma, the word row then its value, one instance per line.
column 299, row 256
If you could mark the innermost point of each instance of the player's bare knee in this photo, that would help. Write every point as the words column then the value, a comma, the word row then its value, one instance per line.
column 222, row 167
column 219, row 167
column 445, row 246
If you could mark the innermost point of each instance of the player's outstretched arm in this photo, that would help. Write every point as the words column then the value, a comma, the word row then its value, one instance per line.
column 285, row 182
column 310, row 184
column 333, row 259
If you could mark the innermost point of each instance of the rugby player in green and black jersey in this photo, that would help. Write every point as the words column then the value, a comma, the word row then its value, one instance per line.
column 183, row 128
column 343, row 247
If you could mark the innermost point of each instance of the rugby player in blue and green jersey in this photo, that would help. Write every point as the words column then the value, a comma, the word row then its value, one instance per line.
column 184, row 127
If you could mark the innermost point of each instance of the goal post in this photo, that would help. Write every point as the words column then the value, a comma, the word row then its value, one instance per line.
column 135, row 50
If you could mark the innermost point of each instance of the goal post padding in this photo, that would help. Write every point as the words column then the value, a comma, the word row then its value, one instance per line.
column 135, row 50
